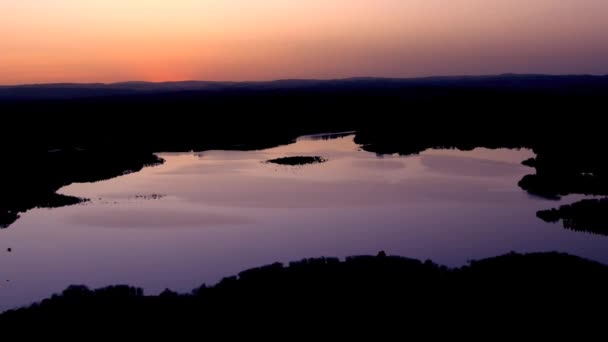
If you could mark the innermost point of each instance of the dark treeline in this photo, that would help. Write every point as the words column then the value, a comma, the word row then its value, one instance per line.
column 96, row 137
column 588, row 215
column 368, row 293
column 507, row 110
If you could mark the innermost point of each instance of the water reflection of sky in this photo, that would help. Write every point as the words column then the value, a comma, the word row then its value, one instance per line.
column 219, row 212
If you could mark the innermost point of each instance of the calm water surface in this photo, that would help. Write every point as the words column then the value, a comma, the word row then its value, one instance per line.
column 202, row 216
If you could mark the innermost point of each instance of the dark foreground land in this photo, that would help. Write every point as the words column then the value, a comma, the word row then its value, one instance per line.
column 509, row 294
column 57, row 134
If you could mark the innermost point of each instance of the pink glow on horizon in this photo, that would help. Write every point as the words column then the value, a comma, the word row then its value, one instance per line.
column 157, row 40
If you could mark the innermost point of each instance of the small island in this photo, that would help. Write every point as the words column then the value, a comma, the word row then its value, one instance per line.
column 298, row 160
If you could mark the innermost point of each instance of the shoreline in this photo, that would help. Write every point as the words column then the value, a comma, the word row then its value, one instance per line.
column 514, row 264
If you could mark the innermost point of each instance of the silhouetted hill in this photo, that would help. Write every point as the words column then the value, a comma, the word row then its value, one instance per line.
column 76, row 90
column 514, row 293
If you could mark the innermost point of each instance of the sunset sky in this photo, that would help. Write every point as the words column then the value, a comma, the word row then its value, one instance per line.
column 45, row 41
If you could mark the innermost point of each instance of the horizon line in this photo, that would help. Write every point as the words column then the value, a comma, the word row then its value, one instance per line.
column 353, row 78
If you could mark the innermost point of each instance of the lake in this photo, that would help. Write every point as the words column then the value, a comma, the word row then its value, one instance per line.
column 202, row 216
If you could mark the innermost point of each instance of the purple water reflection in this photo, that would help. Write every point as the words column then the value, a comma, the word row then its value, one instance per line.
column 202, row 216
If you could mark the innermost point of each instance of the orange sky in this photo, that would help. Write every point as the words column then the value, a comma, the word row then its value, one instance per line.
column 116, row 40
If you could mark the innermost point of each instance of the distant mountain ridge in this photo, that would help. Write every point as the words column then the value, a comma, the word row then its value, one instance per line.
column 85, row 90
